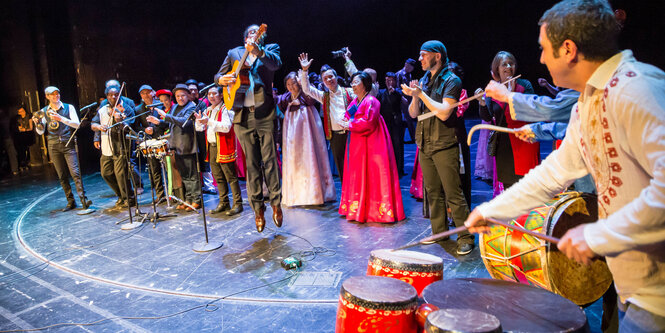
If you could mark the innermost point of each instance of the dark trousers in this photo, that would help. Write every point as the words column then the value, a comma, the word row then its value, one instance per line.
column 338, row 147
column 442, row 183
column 397, row 139
column 191, row 180
column 66, row 163
column 225, row 173
column 115, row 173
column 156, row 174
column 256, row 139
column 136, row 173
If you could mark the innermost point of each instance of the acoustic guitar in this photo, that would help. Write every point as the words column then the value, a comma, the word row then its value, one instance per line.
column 234, row 95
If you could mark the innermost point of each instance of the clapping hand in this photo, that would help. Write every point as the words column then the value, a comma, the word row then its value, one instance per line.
column 413, row 89
column 152, row 120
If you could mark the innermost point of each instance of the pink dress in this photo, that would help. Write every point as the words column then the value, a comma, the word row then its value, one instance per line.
column 370, row 188
column 306, row 176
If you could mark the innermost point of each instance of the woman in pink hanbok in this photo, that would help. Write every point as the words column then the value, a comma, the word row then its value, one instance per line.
column 370, row 188
column 306, row 176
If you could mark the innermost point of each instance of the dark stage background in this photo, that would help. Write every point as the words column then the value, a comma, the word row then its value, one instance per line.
column 77, row 45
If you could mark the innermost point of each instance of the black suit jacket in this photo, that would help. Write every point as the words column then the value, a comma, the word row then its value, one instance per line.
column 262, row 72
column 182, row 128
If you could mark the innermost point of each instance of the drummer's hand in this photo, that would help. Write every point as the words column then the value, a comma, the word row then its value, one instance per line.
column 118, row 116
column 481, row 100
column 97, row 144
column 525, row 133
column 497, row 92
column 148, row 130
column 575, row 247
column 476, row 223
column 152, row 120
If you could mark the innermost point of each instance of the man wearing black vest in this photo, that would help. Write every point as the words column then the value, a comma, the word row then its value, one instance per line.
column 439, row 152
column 64, row 157
column 253, row 122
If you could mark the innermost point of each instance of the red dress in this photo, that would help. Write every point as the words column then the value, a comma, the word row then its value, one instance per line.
column 370, row 188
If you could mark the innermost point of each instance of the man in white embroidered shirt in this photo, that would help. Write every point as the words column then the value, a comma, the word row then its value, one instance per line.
column 616, row 133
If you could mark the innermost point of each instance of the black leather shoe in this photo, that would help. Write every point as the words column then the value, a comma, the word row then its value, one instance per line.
column 70, row 205
column 237, row 209
column 85, row 202
column 119, row 202
column 221, row 207
column 464, row 248
column 259, row 219
column 277, row 215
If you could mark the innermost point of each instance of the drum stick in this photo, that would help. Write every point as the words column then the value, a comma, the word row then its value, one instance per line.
column 488, row 127
column 464, row 101
column 544, row 237
column 434, row 238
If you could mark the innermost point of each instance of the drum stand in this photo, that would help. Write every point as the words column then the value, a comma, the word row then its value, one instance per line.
column 131, row 225
column 155, row 214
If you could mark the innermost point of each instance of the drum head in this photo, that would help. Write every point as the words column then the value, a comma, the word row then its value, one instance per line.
column 579, row 283
column 519, row 308
column 378, row 292
column 461, row 320
column 407, row 260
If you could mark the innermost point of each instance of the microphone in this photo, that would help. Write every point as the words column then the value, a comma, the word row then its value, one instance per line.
column 131, row 137
column 202, row 91
column 154, row 105
column 165, row 136
column 89, row 106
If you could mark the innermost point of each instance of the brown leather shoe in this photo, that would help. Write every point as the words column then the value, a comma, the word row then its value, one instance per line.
column 277, row 215
column 195, row 205
column 259, row 219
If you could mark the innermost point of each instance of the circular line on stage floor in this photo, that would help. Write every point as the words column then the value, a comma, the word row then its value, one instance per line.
column 18, row 238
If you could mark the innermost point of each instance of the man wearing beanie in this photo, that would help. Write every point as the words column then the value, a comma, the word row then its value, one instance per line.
column 64, row 157
column 435, row 137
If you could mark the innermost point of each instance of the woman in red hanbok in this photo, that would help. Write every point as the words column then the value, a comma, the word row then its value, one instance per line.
column 370, row 188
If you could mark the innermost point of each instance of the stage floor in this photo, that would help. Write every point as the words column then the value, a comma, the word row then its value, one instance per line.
column 60, row 267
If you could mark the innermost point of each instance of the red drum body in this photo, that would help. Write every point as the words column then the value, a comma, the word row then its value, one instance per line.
column 415, row 268
column 376, row 304
column 511, row 255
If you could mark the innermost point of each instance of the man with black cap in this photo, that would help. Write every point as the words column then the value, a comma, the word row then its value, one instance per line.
column 253, row 123
column 435, row 136
column 148, row 97
column 182, row 139
column 391, row 103
column 63, row 119
column 404, row 77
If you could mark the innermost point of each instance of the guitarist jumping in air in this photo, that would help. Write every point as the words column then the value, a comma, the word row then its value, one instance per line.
column 246, row 78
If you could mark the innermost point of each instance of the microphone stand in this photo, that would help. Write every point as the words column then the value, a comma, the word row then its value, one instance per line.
column 206, row 246
column 127, row 151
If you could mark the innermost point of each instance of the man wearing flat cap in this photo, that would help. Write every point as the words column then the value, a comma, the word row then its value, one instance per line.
column 439, row 153
column 182, row 139
column 60, row 128
column 149, row 97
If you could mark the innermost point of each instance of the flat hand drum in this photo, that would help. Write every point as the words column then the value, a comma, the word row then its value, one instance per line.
column 415, row 268
column 514, row 256
column 461, row 321
column 376, row 304
column 518, row 307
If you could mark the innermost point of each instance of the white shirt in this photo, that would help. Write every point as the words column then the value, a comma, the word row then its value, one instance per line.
column 249, row 95
column 616, row 133
column 105, row 137
column 72, row 121
column 214, row 126
column 338, row 102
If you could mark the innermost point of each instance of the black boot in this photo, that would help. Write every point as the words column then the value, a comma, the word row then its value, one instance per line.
column 85, row 202
column 237, row 209
column 70, row 205
column 221, row 207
